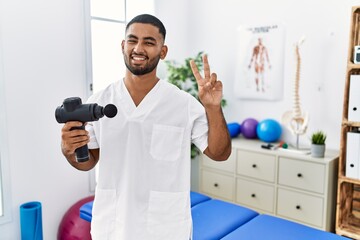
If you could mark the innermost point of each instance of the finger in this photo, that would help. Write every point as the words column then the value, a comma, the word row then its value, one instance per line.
column 67, row 126
column 213, row 78
column 79, row 140
column 78, row 132
column 218, row 85
column 206, row 67
column 195, row 70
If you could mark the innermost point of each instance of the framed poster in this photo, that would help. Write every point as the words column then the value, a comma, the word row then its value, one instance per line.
column 260, row 62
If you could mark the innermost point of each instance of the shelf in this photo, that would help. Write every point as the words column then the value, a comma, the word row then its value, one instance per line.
column 351, row 124
column 348, row 193
column 342, row 179
column 352, row 66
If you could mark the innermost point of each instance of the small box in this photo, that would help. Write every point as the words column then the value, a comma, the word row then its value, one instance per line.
column 354, row 99
column 357, row 54
column 352, row 155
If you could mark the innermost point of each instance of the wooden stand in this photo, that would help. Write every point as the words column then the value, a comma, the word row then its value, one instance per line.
column 348, row 197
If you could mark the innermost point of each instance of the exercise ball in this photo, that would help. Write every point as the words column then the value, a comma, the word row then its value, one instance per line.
column 72, row 226
column 234, row 129
column 269, row 130
column 248, row 128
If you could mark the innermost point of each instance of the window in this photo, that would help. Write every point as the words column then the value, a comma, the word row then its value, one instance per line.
column 105, row 29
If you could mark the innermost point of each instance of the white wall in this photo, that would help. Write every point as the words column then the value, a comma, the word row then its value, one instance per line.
column 44, row 62
column 211, row 26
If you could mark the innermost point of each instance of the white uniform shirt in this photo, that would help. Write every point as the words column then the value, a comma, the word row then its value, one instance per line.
column 143, row 189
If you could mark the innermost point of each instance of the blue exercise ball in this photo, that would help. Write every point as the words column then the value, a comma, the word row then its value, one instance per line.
column 248, row 128
column 269, row 130
column 234, row 129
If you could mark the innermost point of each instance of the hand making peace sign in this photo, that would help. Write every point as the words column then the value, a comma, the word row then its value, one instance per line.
column 210, row 89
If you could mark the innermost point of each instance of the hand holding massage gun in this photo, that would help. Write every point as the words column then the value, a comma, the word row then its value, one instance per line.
column 72, row 109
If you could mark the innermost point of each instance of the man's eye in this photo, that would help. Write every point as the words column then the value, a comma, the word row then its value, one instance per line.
column 131, row 41
column 150, row 43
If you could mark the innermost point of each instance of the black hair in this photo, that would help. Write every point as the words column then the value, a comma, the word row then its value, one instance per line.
column 149, row 19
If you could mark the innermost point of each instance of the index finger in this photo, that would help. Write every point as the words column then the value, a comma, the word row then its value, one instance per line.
column 195, row 70
column 71, row 124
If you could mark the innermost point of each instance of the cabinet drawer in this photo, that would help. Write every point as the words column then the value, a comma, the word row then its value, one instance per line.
column 228, row 165
column 304, row 175
column 256, row 165
column 300, row 207
column 218, row 185
column 255, row 195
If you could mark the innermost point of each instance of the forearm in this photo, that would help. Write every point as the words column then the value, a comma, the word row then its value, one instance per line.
column 219, row 142
column 83, row 166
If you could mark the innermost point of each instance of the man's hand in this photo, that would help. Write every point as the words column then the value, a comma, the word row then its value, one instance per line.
column 72, row 139
column 210, row 88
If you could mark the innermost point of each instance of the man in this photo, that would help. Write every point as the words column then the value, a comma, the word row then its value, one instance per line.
column 143, row 187
column 259, row 55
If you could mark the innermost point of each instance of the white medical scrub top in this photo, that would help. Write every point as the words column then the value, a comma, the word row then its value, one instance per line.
column 143, row 188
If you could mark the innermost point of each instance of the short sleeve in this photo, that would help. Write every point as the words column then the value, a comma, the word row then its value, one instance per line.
column 93, row 144
column 199, row 132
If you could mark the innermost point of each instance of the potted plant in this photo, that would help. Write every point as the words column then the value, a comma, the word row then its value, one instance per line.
column 182, row 77
column 318, row 139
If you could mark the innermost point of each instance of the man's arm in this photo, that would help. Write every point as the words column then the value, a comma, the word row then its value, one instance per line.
column 219, row 143
column 73, row 139
column 210, row 95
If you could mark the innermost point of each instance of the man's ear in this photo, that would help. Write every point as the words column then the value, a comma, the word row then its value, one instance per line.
column 164, row 50
column 122, row 46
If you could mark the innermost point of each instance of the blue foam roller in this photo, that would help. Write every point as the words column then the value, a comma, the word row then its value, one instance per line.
column 31, row 221
column 234, row 129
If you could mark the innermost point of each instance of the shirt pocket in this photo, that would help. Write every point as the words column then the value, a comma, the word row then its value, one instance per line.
column 166, row 142
column 169, row 216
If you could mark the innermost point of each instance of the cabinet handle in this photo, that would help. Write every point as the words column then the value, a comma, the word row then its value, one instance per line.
column 299, row 175
column 254, row 166
column 216, row 185
column 253, row 195
column 298, row 207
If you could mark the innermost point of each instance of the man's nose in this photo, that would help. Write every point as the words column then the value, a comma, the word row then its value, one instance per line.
column 139, row 48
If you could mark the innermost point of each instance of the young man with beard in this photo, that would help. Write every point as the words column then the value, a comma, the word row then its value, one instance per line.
column 143, row 188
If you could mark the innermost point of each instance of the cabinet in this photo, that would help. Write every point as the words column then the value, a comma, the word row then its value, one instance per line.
column 348, row 195
column 277, row 182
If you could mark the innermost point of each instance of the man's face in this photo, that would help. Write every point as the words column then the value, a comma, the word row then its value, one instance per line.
column 142, row 48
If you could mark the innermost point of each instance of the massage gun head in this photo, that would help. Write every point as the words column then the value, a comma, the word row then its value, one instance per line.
column 72, row 109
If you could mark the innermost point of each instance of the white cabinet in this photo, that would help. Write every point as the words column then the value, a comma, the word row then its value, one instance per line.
column 277, row 182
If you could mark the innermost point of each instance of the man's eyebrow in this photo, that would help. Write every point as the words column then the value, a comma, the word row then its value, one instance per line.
column 150, row 38
column 145, row 38
column 131, row 36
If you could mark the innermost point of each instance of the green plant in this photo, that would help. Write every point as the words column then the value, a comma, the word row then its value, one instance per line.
column 318, row 137
column 181, row 76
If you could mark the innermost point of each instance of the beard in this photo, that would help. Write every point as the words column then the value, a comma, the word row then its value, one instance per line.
column 137, row 70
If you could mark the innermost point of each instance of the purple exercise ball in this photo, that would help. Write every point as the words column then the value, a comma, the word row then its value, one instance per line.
column 72, row 226
column 248, row 128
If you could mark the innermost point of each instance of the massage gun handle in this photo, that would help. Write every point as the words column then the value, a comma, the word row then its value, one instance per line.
column 82, row 153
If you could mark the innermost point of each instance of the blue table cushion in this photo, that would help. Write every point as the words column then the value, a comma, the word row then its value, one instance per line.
column 86, row 211
column 214, row 219
column 197, row 198
column 274, row 228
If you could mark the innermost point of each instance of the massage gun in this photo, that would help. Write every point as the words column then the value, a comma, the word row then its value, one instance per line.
column 72, row 109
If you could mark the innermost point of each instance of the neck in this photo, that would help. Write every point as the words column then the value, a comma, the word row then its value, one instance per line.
column 140, row 86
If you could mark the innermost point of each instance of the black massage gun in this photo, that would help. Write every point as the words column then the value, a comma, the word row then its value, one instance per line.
column 72, row 109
